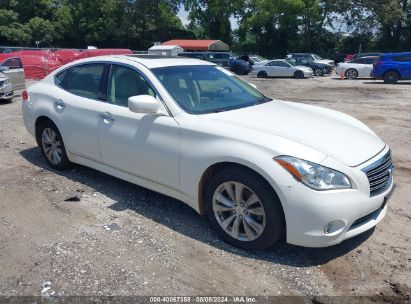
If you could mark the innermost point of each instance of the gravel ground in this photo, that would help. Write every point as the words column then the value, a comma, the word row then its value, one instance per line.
column 120, row 239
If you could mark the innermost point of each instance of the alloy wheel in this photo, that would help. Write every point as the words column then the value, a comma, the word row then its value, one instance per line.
column 239, row 211
column 51, row 146
column 351, row 74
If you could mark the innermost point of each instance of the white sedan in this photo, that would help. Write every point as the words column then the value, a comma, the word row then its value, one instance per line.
column 357, row 68
column 258, row 168
column 281, row 68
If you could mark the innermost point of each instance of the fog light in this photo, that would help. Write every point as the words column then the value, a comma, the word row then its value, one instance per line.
column 333, row 227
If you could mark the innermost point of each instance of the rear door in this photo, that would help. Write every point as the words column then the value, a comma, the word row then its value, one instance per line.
column 15, row 73
column 404, row 65
column 77, row 102
column 269, row 68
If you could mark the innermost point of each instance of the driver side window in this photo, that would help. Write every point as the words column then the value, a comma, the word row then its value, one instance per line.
column 125, row 82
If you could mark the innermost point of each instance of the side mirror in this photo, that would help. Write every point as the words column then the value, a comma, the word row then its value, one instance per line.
column 143, row 104
column 4, row 68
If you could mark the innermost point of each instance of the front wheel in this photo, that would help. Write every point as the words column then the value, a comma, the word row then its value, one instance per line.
column 318, row 72
column 299, row 75
column 244, row 209
column 262, row 74
column 52, row 146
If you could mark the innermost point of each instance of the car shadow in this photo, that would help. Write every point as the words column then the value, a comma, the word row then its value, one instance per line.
column 382, row 82
column 183, row 219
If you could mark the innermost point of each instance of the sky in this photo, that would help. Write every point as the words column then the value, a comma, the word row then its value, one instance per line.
column 183, row 15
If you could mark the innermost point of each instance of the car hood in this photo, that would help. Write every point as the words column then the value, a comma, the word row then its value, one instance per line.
column 333, row 133
column 325, row 61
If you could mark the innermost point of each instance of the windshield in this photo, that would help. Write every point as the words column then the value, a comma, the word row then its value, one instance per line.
column 206, row 89
column 316, row 57
column 293, row 62
column 258, row 58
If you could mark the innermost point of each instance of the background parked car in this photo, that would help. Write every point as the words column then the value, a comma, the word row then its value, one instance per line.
column 361, row 67
column 393, row 67
column 13, row 68
column 257, row 59
column 230, row 61
column 197, row 55
column 281, row 68
column 311, row 56
column 6, row 87
column 362, row 55
column 319, row 69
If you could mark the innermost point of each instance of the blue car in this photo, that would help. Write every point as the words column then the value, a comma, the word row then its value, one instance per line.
column 393, row 67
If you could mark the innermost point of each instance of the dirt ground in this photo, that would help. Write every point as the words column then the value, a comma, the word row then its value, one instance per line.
column 120, row 239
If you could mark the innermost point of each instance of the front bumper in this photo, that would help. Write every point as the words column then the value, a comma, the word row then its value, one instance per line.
column 308, row 74
column 308, row 213
column 6, row 91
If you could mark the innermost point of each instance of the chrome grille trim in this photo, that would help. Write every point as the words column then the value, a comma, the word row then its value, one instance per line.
column 379, row 174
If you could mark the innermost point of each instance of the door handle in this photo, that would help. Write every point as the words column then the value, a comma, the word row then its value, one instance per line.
column 107, row 117
column 60, row 105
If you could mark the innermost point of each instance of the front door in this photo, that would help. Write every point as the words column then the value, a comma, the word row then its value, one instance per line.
column 143, row 145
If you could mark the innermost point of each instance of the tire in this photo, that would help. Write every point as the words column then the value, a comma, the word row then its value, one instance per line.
column 299, row 75
column 318, row 72
column 260, row 225
column 52, row 146
column 239, row 70
column 391, row 77
column 262, row 74
column 351, row 74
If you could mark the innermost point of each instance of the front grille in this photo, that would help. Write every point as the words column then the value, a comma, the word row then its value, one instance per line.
column 379, row 174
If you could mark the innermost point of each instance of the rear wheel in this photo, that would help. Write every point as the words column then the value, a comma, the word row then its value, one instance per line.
column 298, row 74
column 262, row 74
column 52, row 146
column 391, row 77
column 244, row 209
column 351, row 74
column 239, row 70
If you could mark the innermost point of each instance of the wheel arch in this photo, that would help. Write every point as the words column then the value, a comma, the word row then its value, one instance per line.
column 41, row 119
column 392, row 70
column 213, row 169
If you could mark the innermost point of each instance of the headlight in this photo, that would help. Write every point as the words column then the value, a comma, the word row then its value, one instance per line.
column 314, row 175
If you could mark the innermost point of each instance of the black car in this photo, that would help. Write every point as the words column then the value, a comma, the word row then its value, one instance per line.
column 198, row 55
column 228, row 60
column 319, row 69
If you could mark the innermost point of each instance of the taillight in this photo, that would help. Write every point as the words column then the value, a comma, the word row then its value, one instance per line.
column 25, row 95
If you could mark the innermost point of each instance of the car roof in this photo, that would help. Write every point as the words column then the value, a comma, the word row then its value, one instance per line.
column 398, row 54
column 151, row 61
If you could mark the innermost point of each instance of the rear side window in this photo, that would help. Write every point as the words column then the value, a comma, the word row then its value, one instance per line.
column 13, row 63
column 59, row 80
column 85, row 80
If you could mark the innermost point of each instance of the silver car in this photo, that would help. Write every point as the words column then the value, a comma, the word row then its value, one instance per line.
column 6, row 88
column 281, row 68
column 13, row 68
